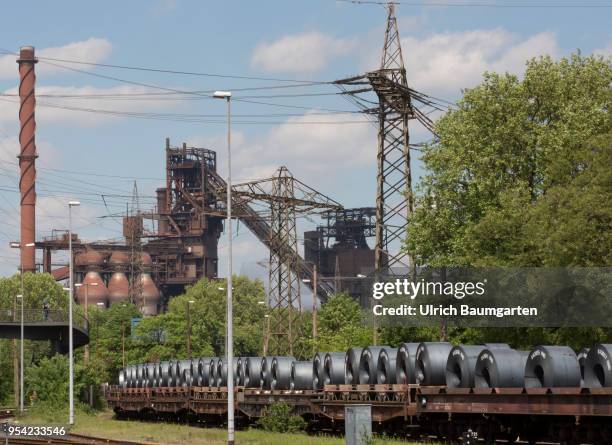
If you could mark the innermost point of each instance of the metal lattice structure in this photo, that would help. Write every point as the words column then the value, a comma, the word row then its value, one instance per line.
column 391, row 112
column 286, row 197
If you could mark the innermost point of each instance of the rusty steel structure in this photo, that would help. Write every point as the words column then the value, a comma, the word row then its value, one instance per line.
column 27, row 156
column 286, row 197
column 340, row 249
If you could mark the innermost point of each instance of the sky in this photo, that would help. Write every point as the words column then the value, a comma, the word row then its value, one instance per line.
column 264, row 47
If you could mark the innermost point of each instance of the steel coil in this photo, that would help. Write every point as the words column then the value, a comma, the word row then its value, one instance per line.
column 252, row 373
column 386, row 366
column 351, row 366
column 301, row 375
column 130, row 376
column 461, row 365
column 582, row 356
column 598, row 367
column 212, row 371
column 333, row 368
column 368, row 363
column 122, row 381
column 404, row 363
column 164, row 374
column 222, row 372
column 318, row 364
column 552, row 366
column 139, row 376
column 430, row 363
column 266, row 372
column 239, row 372
column 175, row 373
column 500, row 368
column 281, row 373
column 151, row 380
column 184, row 372
column 203, row 368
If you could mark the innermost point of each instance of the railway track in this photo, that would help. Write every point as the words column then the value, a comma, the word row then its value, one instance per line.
column 72, row 439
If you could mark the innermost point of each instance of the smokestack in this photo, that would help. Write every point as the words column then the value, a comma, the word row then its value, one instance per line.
column 27, row 156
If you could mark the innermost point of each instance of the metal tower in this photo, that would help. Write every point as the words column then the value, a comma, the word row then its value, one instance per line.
column 286, row 197
column 394, row 199
column 133, row 231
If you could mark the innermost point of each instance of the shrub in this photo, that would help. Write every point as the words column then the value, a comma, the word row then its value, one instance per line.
column 279, row 418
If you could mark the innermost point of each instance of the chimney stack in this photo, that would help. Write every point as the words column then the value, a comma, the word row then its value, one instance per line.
column 27, row 156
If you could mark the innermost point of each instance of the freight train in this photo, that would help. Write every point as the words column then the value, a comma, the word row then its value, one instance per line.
column 458, row 394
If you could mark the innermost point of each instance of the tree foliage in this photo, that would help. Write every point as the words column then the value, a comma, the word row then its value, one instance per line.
column 521, row 173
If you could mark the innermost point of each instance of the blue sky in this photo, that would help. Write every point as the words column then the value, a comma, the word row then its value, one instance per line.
column 445, row 48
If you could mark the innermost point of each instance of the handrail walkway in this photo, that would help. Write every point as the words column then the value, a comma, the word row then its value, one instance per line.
column 40, row 324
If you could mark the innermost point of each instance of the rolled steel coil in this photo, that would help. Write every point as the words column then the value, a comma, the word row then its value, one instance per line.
column 151, row 381
column 404, row 363
column 333, row 368
column 130, row 376
column 461, row 365
column 212, row 372
column 281, row 373
column 252, row 373
column 140, row 369
column 318, row 364
column 175, row 375
column 386, row 366
column 351, row 366
column 368, row 363
column 552, row 366
column 430, row 363
column 184, row 372
column 598, row 367
column 582, row 356
column 203, row 368
column 222, row 372
column 239, row 372
column 166, row 374
column 500, row 368
column 301, row 375
column 266, row 372
column 122, row 381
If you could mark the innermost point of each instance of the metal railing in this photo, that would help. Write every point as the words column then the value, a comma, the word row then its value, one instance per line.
column 31, row 316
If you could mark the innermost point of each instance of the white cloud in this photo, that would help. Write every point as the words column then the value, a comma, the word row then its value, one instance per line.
column 93, row 50
column 300, row 53
column 444, row 63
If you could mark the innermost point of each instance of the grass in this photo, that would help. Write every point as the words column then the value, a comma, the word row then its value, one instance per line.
column 103, row 425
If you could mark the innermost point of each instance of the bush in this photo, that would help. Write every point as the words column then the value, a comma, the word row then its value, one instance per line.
column 279, row 418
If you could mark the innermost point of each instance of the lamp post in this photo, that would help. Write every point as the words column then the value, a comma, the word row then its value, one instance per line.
column 71, row 204
column 227, row 95
column 22, row 297
column 189, row 303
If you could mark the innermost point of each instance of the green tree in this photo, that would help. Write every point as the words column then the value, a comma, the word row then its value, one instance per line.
column 165, row 336
column 520, row 174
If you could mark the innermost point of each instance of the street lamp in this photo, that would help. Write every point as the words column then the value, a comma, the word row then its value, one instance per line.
column 189, row 303
column 71, row 204
column 21, row 390
column 227, row 95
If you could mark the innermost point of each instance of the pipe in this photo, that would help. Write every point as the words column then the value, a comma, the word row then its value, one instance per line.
column 27, row 156
column 333, row 368
column 301, row 375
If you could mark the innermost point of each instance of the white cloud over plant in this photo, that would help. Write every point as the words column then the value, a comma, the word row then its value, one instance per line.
column 93, row 50
column 300, row 53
